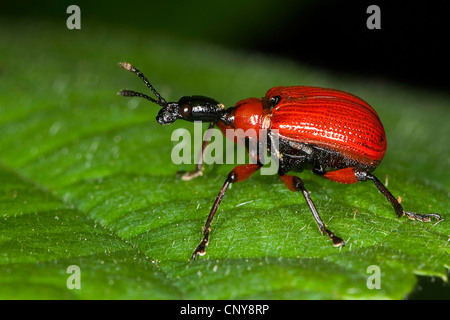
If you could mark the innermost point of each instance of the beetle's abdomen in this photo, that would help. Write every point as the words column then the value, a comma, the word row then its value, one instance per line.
column 329, row 119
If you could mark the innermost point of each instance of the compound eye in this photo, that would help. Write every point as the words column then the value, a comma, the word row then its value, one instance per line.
column 185, row 110
column 274, row 101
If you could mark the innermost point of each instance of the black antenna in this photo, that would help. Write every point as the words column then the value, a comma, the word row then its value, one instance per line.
column 129, row 93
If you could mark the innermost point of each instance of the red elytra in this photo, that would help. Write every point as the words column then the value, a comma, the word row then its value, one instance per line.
column 331, row 119
column 330, row 132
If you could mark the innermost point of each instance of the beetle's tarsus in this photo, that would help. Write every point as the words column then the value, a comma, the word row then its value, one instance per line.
column 337, row 241
column 126, row 66
column 189, row 175
column 422, row 217
column 201, row 248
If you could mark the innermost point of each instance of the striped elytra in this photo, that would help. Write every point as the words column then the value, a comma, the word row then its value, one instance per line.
column 331, row 119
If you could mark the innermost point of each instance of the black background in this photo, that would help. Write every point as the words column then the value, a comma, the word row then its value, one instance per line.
column 411, row 47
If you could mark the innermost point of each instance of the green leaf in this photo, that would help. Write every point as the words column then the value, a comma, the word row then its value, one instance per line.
column 87, row 180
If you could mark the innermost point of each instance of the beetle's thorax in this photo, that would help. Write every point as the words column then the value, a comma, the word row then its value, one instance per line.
column 248, row 114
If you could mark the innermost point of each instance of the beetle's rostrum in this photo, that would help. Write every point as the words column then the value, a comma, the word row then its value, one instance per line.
column 332, row 133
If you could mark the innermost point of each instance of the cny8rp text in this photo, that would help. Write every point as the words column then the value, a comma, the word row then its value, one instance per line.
column 246, row 309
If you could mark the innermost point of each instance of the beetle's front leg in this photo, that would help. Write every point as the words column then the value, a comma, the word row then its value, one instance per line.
column 364, row 176
column 198, row 171
column 238, row 174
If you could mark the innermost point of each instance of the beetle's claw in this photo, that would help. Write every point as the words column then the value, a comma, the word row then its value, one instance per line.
column 198, row 252
column 337, row 241
column 201, row 249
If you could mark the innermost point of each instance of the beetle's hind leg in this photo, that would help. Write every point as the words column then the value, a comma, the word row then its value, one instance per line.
column 294, row 183
column 364, row 176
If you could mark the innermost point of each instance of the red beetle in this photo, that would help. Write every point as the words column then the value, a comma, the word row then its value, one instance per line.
column 330, row 132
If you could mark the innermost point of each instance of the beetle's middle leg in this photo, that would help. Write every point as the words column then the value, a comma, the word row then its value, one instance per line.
column 294, row 183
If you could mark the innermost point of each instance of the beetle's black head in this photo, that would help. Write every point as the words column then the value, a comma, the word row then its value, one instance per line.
column 189, row 108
